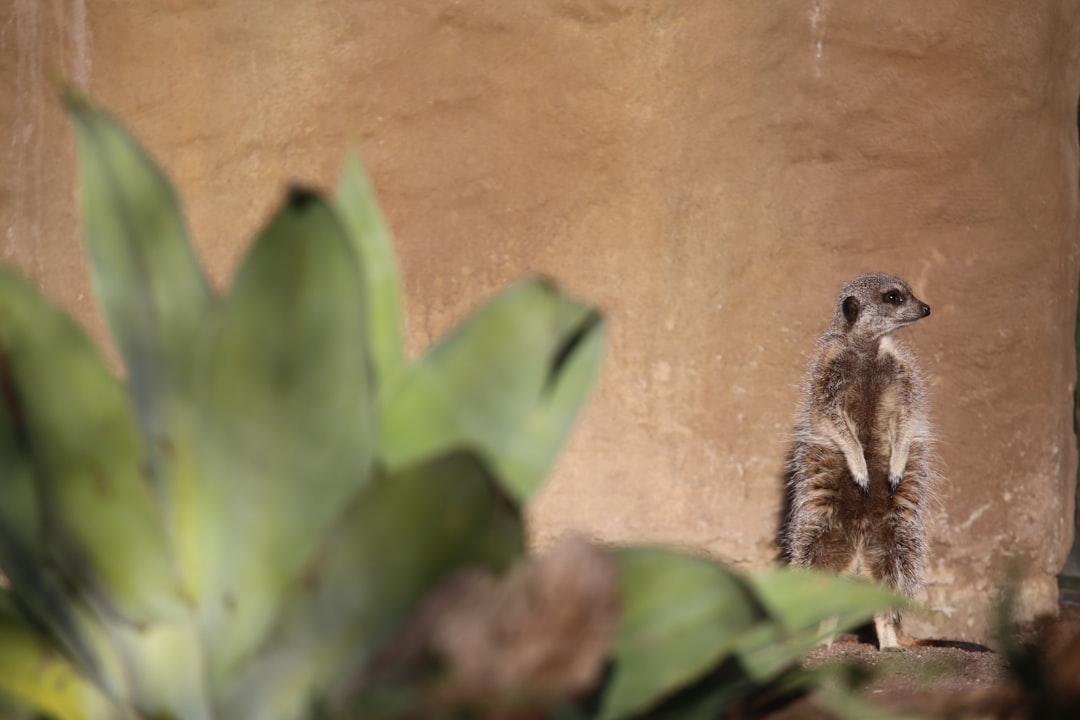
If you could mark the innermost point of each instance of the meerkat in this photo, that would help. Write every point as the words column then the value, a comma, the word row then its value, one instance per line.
column 859, row 472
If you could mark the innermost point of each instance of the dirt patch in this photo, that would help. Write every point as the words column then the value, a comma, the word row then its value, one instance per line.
column 934, row 681
column 961, row 680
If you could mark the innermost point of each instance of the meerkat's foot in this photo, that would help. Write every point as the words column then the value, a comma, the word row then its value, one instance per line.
column 888, row 632
column 827, row 631
column 894, row 483
column 863, row 483
column 906, row 641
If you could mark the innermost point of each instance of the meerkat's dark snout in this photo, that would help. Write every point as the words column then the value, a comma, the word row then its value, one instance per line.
column 925, row 310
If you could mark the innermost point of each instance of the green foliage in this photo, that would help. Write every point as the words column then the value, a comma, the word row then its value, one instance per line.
column 680, row 616
column 697, row 639
column 246, row 523
column 250, row 516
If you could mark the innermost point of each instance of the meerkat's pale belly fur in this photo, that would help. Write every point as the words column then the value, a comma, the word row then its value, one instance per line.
column 864, row 415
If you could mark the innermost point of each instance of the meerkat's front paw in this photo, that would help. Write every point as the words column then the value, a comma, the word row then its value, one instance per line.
column 863, row 482
column 897, row 465
column 859, row 472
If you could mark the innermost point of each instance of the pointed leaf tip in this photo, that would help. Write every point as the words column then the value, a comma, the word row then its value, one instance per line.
column 74, row 101
column 362, row 219
column 300, row 198
column 288, row 350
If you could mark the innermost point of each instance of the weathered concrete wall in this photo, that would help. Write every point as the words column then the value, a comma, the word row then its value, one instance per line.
column 708, row 173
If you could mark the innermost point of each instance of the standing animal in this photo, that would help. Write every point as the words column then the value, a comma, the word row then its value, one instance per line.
column 859, row 473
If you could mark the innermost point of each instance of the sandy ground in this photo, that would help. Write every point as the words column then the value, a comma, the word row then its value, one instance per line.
column 956, row 678
column 964, row 681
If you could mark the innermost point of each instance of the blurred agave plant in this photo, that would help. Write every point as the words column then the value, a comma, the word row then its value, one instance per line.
column 276, row 485
column 276, row 495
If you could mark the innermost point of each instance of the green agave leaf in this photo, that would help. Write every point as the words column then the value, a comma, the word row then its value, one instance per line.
column 846, row 704
column 71, row 461
column 681, row 616
column 394, row 542
column 713, row 695
column 145, row 274
column 153, row 295
column 527, row 457
column 729, row 691
column 286, row 420
column 13, row 709
column 47, row 602
column 33, row 675
column 835, row 687
column 508, row 383
column 799, row 601
column 364, row 223
column 164, row 668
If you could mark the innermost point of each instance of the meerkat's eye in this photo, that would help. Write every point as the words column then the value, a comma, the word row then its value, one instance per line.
column 893, row 297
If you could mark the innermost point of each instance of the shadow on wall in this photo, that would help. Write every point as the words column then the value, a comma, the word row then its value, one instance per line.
column 1069, row 580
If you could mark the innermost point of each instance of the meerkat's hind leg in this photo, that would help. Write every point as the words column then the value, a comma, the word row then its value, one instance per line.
column 887, row 627
column 890, row 632
column 895, row 556
column 846, row 560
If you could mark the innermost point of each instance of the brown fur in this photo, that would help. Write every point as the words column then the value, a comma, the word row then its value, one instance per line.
column 859, row 472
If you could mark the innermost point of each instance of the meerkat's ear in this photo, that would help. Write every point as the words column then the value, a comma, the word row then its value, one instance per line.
column 851, row 308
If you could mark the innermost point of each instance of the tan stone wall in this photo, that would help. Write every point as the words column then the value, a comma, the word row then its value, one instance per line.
column 708, row 173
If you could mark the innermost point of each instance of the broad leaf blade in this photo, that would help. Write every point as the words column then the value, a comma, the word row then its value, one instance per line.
column 839, row 689
column 799, row 601
column 711, row 696
column 366, row 228
column 165, row 668
column 528, row 456
column 35, row 676
column 74, row 459
column 846, row 704
column 287, row 423
column 508, row 383
column 145, row 274
column 395, row 541
column 681, row 616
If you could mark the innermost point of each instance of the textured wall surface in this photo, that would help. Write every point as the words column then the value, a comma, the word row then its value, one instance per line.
column 708, row 173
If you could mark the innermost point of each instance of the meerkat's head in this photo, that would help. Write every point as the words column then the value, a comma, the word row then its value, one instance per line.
column 872, row 306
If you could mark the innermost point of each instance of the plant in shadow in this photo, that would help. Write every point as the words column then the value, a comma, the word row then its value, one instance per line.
column 277, row 514
column 1043, row 664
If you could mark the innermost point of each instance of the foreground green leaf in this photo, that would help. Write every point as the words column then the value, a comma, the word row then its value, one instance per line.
column 681, row 616
column 286, row 420
column 366, row 228
column 508, row 383
column 71, row 459
column 145, row 274
column 155, row 299
column 226, row 538
column 163, row 666
column 391, row 546
column 846, row 704
column 800, row 601
column 33, row 674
